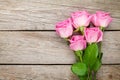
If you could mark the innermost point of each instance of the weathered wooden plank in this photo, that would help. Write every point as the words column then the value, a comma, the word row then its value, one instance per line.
column 52, row 72
column 43, row 14
column 48, row 48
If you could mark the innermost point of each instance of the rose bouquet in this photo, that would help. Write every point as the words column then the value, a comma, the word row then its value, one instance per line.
column 84, row 33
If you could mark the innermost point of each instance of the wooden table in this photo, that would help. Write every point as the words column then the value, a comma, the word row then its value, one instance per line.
column 31, row 50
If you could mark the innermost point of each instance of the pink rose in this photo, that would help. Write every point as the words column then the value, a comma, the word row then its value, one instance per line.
column 64, row 29
column 93, row 34
column 80, row 18
column 77, row 42
column 101, row 19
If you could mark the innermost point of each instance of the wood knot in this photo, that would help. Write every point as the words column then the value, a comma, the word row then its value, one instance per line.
column 110, row 76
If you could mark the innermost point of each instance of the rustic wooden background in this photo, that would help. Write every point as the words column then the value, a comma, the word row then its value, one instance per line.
column 30, row 49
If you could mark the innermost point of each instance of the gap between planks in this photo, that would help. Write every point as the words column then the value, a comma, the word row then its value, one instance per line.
column 47, row 64
column 37, row 30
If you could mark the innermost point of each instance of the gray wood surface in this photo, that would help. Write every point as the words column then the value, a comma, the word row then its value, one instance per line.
column 43, row 14
column 52, row 72
column 43, row 47
column 48, row 48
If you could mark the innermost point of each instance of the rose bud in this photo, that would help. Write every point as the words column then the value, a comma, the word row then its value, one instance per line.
column 101, row 19
column 77, row 42
column 80, row 19
column 64, row 29
column 93, row 34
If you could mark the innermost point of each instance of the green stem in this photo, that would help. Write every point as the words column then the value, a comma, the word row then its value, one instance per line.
column 79, row 55
column 81, row 58
column 77, row 58
column 95, row 75
column 82, row 29
column 88, row 74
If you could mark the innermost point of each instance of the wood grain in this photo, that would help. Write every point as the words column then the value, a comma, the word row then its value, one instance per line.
column 43, row 14
column 48, row 48
column 52, row 72
column 45, row 48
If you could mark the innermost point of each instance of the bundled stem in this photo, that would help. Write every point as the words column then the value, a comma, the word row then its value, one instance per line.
column 91, row 62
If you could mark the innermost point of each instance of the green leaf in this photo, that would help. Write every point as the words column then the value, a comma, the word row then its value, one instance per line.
column 90, row 55
column 79, row 69
column 97, row 65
